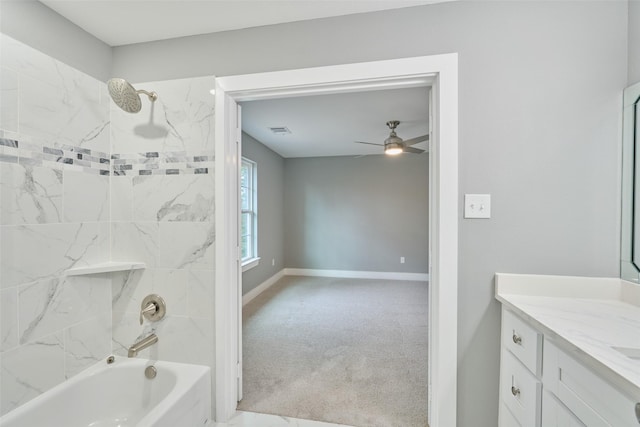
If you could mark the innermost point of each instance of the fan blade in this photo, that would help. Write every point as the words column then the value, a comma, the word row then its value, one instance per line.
column 415, row 140
column 369, row 143
column 413, row 150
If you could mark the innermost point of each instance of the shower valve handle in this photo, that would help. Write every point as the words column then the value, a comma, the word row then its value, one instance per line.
column 153, row 308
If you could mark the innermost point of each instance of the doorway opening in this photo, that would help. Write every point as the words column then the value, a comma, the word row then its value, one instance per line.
column 440, row 72
column 343, row 337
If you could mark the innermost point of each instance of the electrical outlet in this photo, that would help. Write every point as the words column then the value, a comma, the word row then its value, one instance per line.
column 401, row 260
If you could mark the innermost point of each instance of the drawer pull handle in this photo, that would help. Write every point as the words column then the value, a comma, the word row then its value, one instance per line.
column 638, row 412
column 517, row 339
column 515, row 391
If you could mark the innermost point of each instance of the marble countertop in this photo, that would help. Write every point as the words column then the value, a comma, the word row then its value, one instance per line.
column 586, row 321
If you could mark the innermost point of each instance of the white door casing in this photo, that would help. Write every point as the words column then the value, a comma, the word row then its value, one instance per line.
column 438, row 71
column 227, row 245
column 238, row 340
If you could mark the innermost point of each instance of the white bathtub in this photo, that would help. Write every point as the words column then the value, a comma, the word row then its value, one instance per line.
column 119, row 395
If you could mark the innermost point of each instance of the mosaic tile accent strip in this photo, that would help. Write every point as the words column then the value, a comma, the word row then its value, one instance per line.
column 9, row 142
column 162, row 163
column 57, row 157
column 98, row 162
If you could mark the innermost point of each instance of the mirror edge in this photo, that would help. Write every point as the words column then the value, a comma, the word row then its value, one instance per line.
column 628, row 270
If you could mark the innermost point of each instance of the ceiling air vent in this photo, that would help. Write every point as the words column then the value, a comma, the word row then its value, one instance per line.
column 280, row 130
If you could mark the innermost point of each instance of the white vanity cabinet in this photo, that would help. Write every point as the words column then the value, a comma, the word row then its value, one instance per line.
column 541, row 385
column 594, row 401
column 556, row 414
column 520, row 373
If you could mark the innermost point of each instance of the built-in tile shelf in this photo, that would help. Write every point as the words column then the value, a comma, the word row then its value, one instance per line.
column 106, row 267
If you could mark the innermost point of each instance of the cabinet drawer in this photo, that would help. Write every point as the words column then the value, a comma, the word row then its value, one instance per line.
column 593, row 400
column 522, row 340
column 555, row 414
column 520, row 391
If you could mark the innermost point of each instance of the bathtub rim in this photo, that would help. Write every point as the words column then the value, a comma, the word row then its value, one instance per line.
column 180, row 387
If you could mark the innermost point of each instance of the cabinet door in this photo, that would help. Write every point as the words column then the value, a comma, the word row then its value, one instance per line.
column 555, row 414
column 593, row 400
column 506, row 418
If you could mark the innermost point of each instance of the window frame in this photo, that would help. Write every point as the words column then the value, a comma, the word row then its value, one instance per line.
column 252, row 259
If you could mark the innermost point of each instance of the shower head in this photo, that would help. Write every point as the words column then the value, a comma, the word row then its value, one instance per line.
column 126, row 96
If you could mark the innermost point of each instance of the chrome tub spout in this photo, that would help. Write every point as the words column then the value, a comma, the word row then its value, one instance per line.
column 142, row 344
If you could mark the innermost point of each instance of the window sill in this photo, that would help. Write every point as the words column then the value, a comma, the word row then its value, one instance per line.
column 250, row 263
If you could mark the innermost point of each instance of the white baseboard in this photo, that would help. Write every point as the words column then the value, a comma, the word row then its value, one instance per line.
column 262, row 287
column 346, row 274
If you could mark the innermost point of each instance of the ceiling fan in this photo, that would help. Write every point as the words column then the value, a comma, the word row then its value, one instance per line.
column 396, row 145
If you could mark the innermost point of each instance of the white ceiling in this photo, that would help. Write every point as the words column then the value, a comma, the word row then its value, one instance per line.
column 328, row 125
column 121, row 22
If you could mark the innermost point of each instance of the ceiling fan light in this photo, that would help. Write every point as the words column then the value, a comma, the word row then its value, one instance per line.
column 393, row 149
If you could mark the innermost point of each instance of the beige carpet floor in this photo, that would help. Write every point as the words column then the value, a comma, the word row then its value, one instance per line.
column 347, row 351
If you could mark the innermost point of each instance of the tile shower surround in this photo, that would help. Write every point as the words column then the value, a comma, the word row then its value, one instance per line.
column 162, row 213
column 82, row 182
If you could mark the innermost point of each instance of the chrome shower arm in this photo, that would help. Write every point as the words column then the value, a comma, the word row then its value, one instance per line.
column 152, row 95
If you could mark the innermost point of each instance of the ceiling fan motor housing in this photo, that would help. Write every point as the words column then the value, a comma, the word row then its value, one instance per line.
column 393, row 139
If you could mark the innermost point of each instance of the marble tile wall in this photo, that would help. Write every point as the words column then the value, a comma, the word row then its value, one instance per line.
column 54, row 214
column 162, row 212
column 83, row 182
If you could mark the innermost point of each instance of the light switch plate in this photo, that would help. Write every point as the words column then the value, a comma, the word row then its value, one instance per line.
column 477, row 205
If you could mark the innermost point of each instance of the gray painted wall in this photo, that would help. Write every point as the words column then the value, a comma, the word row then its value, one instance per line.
column 363, row 214
column 270, row 212
column 339, row 213
column 540, row 96
column 634, row 41
column 539, row 104
column 36, row 25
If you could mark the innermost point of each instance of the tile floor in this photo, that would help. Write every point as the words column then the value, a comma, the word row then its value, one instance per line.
column 251, row 419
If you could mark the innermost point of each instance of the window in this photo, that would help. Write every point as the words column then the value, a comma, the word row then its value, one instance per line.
column 249, row 214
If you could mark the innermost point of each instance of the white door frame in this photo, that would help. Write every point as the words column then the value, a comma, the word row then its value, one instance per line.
column 441, row 72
